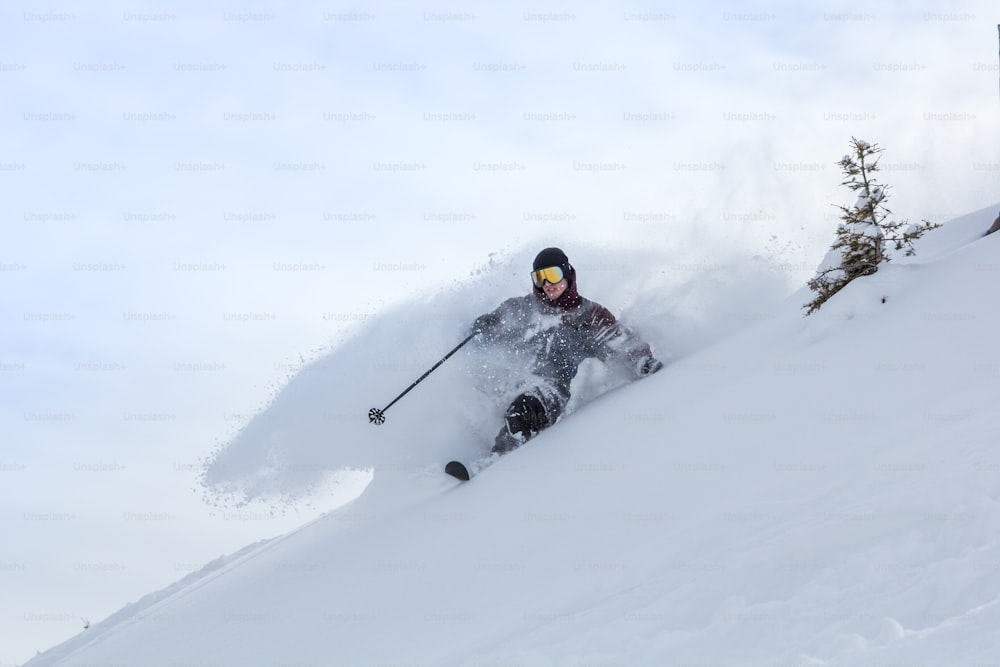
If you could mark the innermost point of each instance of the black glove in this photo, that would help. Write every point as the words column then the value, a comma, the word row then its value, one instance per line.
column 649, row 365
column 485, row 323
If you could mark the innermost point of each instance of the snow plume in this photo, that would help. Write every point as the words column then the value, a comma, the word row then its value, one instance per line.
column 316, row 427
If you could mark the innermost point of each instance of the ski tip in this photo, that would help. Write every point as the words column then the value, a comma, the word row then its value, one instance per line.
column 458, row 470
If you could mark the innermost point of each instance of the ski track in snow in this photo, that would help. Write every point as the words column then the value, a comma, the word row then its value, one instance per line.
column 819, row 491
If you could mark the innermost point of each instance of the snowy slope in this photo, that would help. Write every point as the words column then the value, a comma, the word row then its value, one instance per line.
column 821, row 491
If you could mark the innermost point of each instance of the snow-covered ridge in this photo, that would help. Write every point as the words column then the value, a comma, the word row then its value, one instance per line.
column 818, row 491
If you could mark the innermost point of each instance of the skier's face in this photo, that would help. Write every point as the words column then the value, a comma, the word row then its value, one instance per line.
column 554, row 291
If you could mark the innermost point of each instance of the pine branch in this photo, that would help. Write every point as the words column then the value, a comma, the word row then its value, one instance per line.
column 865, row 228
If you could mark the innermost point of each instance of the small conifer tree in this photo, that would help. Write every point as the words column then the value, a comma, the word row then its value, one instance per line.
column 865, row 228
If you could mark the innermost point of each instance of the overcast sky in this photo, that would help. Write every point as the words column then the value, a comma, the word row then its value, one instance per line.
column 197, row 198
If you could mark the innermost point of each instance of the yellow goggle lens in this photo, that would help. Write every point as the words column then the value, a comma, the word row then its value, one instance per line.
column 553, row 274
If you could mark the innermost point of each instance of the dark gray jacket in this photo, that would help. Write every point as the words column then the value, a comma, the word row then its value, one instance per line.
column 560, row 335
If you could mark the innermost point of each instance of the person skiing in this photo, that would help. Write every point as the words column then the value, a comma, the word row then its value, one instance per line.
column 562, row 329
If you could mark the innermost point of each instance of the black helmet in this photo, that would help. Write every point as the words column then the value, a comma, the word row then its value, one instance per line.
column 554, row 257
column 550, row 257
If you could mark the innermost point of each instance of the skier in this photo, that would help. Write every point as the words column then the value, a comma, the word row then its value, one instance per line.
column 562, row 329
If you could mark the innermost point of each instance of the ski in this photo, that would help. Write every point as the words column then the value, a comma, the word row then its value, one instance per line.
column 465, row 472
column 458, row 470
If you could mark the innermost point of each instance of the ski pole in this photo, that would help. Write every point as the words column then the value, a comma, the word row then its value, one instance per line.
column 376, row 416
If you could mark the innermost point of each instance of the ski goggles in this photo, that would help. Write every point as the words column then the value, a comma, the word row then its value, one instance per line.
column 553, row 274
